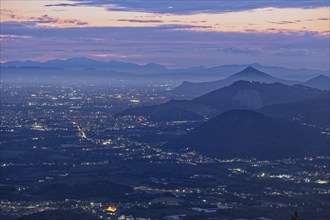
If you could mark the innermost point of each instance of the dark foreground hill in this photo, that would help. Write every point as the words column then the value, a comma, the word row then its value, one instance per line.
column 244, row 133
column 239, row 95
column 314, row 111
column 174, row 110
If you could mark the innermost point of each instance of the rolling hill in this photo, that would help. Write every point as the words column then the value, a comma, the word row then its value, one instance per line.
column 314, row 111
column 245, row 133
column 319, row 82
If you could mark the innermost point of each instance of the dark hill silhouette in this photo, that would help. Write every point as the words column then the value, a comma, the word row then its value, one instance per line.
column 254, row 95
column 239, row 95
column 314, row 111
column 244, row 133
column 174, row 110
column 248, row 74
column 251, row 72
column 319, row 82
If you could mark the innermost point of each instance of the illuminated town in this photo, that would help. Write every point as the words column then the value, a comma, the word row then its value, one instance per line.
column 66, row 148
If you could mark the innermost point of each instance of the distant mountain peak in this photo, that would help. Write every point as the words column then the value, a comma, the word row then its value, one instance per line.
column 152, row 64
column 155, row 66
column 250, row 71
column 321, row 76
column 256, row 65
column 321, row 82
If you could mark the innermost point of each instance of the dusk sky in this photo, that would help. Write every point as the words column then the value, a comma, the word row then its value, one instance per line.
column 182, row 33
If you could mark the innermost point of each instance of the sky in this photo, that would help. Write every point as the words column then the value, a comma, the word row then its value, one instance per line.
column 177, row 34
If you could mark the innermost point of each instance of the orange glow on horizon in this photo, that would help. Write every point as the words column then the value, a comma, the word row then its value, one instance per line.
column 265, row 20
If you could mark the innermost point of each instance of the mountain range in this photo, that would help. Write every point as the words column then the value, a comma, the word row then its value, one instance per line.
column 239, row 95
column 200, row 73
column 85, row 63
column 253, row 113
column 245, row 133
column 191, row 89
column 250, row 119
